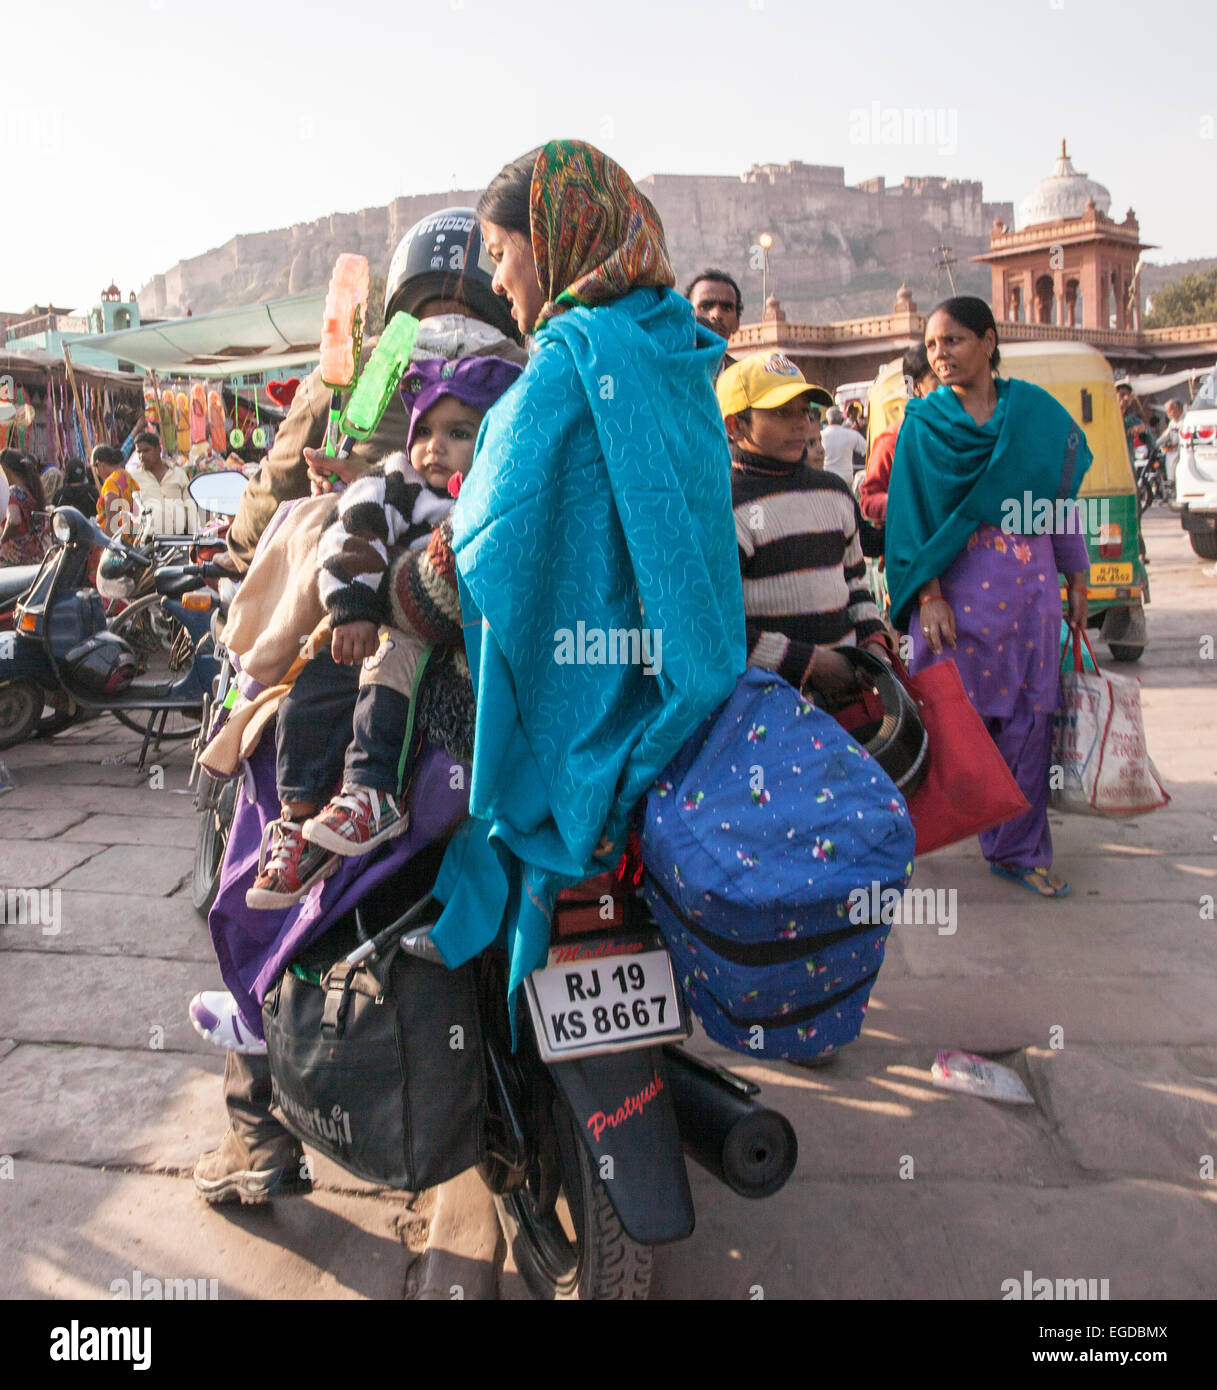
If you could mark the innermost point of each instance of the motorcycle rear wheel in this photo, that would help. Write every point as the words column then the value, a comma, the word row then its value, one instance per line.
column 565, row 1236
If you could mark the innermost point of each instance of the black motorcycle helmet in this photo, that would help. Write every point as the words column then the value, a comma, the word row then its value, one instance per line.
column 890, row 729
column 101, row 665
column 444, row 257
column 118, row 575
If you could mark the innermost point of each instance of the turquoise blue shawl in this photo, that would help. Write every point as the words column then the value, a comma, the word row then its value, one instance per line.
column 600, row 495
column 950, row 474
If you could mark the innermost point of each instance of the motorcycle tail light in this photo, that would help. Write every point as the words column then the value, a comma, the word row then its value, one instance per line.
column 1111, row 541
column 1185, row 435
column 1206, row 433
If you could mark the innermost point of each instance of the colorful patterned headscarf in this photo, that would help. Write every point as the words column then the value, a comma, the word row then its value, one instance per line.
column 595, row 237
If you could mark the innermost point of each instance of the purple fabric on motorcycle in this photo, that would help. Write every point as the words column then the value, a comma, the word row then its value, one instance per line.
column 253, row 947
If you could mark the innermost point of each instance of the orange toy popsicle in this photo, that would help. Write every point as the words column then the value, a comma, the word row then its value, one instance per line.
column 346, row 305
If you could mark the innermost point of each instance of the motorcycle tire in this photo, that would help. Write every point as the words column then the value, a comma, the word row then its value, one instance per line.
column 20, row 710
column 209, row 846
column 565, row 1236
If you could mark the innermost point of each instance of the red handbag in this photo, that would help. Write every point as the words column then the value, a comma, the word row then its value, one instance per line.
column 968, row 787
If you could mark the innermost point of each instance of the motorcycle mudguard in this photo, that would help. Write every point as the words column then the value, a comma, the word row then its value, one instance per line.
column 622, row 1108
column 23, row 659
column 196, row 621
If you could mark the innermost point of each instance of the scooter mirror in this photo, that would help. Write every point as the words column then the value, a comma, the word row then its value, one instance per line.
column 218, row 493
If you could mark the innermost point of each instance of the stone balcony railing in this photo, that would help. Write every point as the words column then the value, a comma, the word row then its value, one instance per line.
column 881, row 326
column 1064, row 231
column 898, row 328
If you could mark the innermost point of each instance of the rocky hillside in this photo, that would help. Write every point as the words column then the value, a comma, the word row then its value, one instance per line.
column 838, row 251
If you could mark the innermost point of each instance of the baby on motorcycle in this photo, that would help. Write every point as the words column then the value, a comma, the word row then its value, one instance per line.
column 383, row 615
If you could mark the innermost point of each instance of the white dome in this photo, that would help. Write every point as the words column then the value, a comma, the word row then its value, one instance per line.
column 1062, row 194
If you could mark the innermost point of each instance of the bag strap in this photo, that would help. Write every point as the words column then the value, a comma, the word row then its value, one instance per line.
column 1077, row 640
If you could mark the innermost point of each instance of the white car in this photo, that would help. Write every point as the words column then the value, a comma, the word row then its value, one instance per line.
column 1196, row 474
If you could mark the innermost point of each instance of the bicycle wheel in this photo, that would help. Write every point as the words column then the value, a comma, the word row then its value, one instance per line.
column 163, row 650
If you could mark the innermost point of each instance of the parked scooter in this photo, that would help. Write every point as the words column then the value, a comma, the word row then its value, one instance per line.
column 61, row 652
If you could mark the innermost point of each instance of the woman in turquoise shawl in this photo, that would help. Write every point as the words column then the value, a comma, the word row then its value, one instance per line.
column 975, row 538
column 595, row 550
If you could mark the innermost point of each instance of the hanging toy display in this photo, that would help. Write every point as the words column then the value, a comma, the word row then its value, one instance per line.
column 198, row 414
column 181, row 407
column 168, row 421
column 258, row 436
column 215, row 420
column 152, row 416
column 342, row 320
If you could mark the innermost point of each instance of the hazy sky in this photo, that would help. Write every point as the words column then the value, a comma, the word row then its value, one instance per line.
column 137, row 132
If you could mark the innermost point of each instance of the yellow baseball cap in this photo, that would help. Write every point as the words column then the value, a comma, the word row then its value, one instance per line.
column 763, row 381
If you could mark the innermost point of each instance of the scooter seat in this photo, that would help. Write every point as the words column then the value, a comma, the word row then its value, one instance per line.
column 172, row 583
column 15, row 580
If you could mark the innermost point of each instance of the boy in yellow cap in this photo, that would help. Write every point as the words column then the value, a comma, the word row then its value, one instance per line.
column 798, row 530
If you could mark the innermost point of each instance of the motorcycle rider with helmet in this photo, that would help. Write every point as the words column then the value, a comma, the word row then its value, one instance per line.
column 441, row 274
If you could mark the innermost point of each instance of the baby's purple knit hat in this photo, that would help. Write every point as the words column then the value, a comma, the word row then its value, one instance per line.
column 476, row 381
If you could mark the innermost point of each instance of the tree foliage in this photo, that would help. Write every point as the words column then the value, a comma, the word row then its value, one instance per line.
column 1190, row 299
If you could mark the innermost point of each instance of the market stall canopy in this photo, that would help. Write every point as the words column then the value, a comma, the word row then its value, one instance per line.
column 33, row 362
column 1153, row 385
column 254, row 338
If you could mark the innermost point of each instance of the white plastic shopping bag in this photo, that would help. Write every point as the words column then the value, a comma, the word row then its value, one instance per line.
column 1100, row 763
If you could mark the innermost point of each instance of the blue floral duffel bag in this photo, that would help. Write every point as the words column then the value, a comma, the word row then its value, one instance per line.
column 761, row 844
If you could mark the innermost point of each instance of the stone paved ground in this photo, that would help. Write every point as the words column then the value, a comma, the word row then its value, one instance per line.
column 107, row 1095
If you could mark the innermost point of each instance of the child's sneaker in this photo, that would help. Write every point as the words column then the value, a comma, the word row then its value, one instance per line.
column 289, row 869
column 356, row 821
column 215, row 1017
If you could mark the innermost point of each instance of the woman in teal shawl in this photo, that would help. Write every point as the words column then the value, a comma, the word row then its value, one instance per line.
column 975, row 537
column 595, row 550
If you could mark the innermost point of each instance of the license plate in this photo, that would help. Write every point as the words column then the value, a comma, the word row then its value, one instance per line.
column 604, row 996
column 1110, row 574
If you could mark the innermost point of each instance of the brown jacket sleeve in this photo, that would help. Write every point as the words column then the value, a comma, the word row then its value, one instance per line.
column 284, row 473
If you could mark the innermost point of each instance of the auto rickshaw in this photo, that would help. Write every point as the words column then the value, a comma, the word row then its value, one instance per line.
column 1081, row 378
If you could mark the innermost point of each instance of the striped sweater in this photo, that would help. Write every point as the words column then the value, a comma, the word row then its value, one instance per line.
column 388, row 509
column 801, row 560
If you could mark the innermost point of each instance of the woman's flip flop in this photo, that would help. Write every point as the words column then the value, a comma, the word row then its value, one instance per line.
column 1033, row 880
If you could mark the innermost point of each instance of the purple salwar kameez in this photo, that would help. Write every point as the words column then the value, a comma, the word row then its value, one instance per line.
column 1005, row 595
